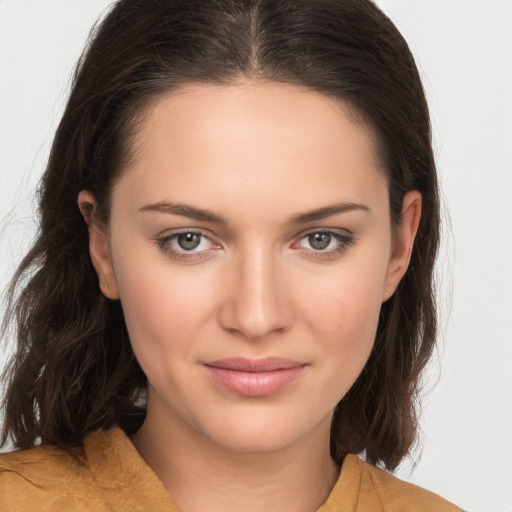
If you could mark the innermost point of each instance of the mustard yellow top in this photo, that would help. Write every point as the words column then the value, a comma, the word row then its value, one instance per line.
column 107, row 474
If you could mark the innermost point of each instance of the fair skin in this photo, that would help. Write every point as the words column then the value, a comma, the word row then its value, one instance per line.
column 256, row 280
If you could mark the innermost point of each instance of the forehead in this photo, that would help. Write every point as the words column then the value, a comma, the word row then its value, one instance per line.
column 249, row 140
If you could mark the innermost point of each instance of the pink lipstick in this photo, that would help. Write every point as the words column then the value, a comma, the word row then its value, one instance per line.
column 254, row 377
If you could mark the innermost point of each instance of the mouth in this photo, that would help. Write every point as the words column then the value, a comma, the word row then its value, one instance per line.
column 254, row 377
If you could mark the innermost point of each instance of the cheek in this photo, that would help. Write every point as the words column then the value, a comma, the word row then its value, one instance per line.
column 342, row 311
column 346, row 300
column 164, row 309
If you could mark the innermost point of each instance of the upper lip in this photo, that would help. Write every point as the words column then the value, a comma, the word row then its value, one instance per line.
column 266, row 364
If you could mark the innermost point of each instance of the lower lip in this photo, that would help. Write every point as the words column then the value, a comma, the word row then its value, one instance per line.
column 254, row 383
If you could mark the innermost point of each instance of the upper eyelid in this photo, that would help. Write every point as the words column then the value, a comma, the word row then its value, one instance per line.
column 166, row 234
column 324, row 230
column 206, row 233
column 345, row 235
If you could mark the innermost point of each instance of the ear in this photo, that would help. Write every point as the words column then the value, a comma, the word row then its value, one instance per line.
column 98, row 245
column 403, row 242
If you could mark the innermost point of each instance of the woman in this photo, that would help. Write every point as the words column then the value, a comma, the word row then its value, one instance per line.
column 231, row 292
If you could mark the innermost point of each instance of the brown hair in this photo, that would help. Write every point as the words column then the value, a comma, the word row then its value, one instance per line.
column 74, row 370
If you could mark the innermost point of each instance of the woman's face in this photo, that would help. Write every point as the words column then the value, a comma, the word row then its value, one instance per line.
column 251, row 248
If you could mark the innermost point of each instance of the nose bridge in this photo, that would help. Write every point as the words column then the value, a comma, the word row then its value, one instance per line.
column 258, row 303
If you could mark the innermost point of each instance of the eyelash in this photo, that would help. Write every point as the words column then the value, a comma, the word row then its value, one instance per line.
column 345, row 240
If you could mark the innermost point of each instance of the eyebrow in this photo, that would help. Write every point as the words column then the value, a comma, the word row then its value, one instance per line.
column 185, row 210
column 327, row 211
column 204, row 215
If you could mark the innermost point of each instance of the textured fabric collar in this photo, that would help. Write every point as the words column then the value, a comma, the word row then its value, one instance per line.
column 117, row 467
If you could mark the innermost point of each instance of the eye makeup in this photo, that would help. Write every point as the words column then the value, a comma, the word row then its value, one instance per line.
column 190, row 245
column 324, row 244
column 194, row 245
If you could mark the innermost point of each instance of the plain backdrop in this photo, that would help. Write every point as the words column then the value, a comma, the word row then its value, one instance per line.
column 464, row 51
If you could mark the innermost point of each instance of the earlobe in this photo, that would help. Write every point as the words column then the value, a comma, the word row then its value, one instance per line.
column 403, row 242
column 99, row 250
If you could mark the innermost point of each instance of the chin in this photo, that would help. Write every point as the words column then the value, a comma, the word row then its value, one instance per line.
column 263, row 432
column 254, row 441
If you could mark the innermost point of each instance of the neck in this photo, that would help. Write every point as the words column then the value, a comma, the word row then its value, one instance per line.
column 203, row 476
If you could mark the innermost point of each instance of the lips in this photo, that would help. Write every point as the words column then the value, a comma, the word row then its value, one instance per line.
column 254, row 377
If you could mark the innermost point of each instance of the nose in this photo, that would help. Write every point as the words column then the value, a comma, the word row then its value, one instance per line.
column 257, row 301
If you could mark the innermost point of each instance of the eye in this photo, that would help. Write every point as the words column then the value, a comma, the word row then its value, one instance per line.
column 186, row 245
column 188, row 241
column 320, row 241
column 325, row 242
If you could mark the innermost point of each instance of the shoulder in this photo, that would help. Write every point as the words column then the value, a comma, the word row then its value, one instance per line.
column 389, row 493
column 45, row 478
column 106, row 474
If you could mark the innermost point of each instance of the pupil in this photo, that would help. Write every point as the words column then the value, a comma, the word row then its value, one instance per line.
column 189, row 241
column 319, row 240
